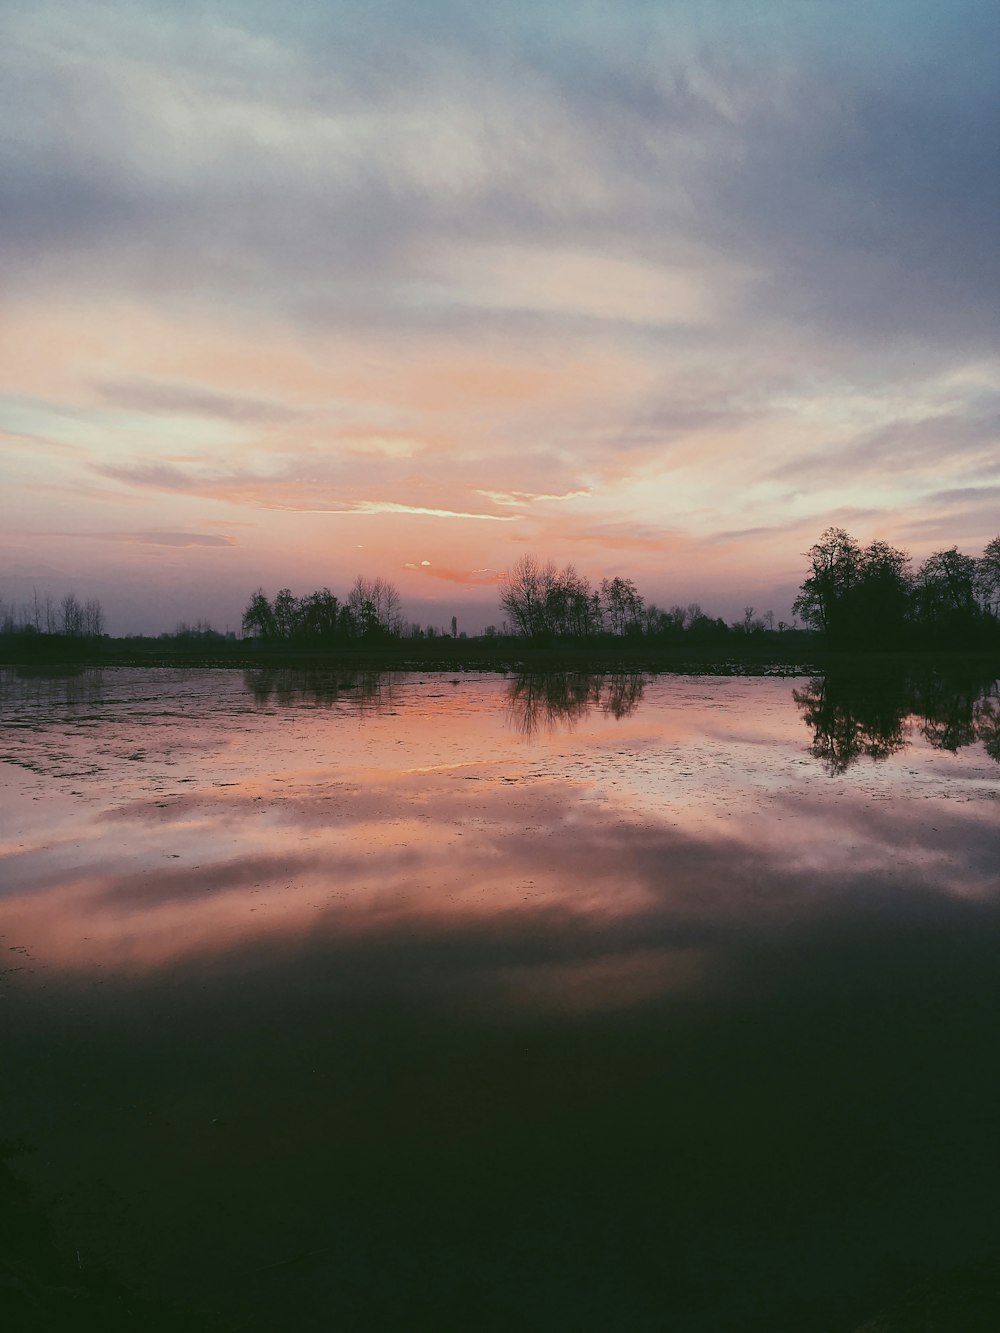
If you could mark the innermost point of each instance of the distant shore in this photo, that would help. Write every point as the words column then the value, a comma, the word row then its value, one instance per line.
column 790, row 654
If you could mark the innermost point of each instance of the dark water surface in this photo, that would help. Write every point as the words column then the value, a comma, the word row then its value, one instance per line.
column 483, row 1003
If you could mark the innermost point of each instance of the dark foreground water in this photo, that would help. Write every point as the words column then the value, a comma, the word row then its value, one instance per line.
column 479, row 1003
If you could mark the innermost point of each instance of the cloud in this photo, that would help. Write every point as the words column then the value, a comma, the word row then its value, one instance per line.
column 382, row 444
column 653, row 267
column 279, row 493
column 955, row 441
column 613, row 536
column 162, row 396
column 169, row 538
column 965, row 494
column 389, row 507
column 286, row 167
column 155, row 476
column 521, row 498
column 968, row 517
column 867, row 208
column 477, row 578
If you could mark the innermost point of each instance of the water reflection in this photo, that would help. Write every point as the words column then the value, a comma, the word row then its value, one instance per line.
column 542, row 701
column 285, row 686
column 436, row 1016
column 854, row 718
column 49, row 687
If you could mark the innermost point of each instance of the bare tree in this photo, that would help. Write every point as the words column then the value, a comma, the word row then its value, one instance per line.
column 623, row 605
column 72, row 615
column 521, row 595
column 375, row 606
column 93, row 618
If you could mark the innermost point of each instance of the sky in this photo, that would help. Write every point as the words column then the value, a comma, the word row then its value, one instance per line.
column 292, row 293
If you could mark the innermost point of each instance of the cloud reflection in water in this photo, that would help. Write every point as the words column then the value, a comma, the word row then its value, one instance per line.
column 629, row 858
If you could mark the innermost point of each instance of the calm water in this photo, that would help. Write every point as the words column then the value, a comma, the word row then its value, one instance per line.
column 488, row 1003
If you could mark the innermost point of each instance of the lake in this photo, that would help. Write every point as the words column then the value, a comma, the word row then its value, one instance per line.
column 498, row 1002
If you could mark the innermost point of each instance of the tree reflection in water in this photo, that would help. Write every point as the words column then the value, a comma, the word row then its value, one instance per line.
column 372, row 691
column 850, row 717
column 853, row 718
column 537, row 701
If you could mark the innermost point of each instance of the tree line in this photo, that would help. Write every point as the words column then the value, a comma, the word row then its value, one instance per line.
column 370, row 611
column 44, row 615
column 856, row 596
column 540, row 601
column 869, row 596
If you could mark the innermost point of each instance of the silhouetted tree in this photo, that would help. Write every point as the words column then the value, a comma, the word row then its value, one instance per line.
column 623, row 605
column 751, row 622
column 945, row 596
column 93, row 618
column 372, row 608
column 317, row 615
column 856, row 595
column 285, row 612
column 880, row 602
column 987, row 577
column 834, row 569
column 540, row 600
column 258, row 618
column 72, row 615
column 43, row 616
column 374, row 605
column 521, row 595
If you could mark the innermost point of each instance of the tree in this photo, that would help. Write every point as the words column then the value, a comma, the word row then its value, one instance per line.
column 521, row 595
column 880, row 602
column 950, row 576
column 93, row 618
column 374, row 605
column 72, row 616
column 258, row 618
column 542, row 600
column 945, row 594
column 987, row 577
column 285, row 612
column 623, row 605
column 855, row 595
column 317, row 615
column 834, row 569
column 581, row 607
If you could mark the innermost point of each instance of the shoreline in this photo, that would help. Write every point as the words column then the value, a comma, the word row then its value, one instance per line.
column 504, row 656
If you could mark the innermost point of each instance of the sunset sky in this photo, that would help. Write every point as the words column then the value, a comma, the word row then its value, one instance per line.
column 296, row 292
